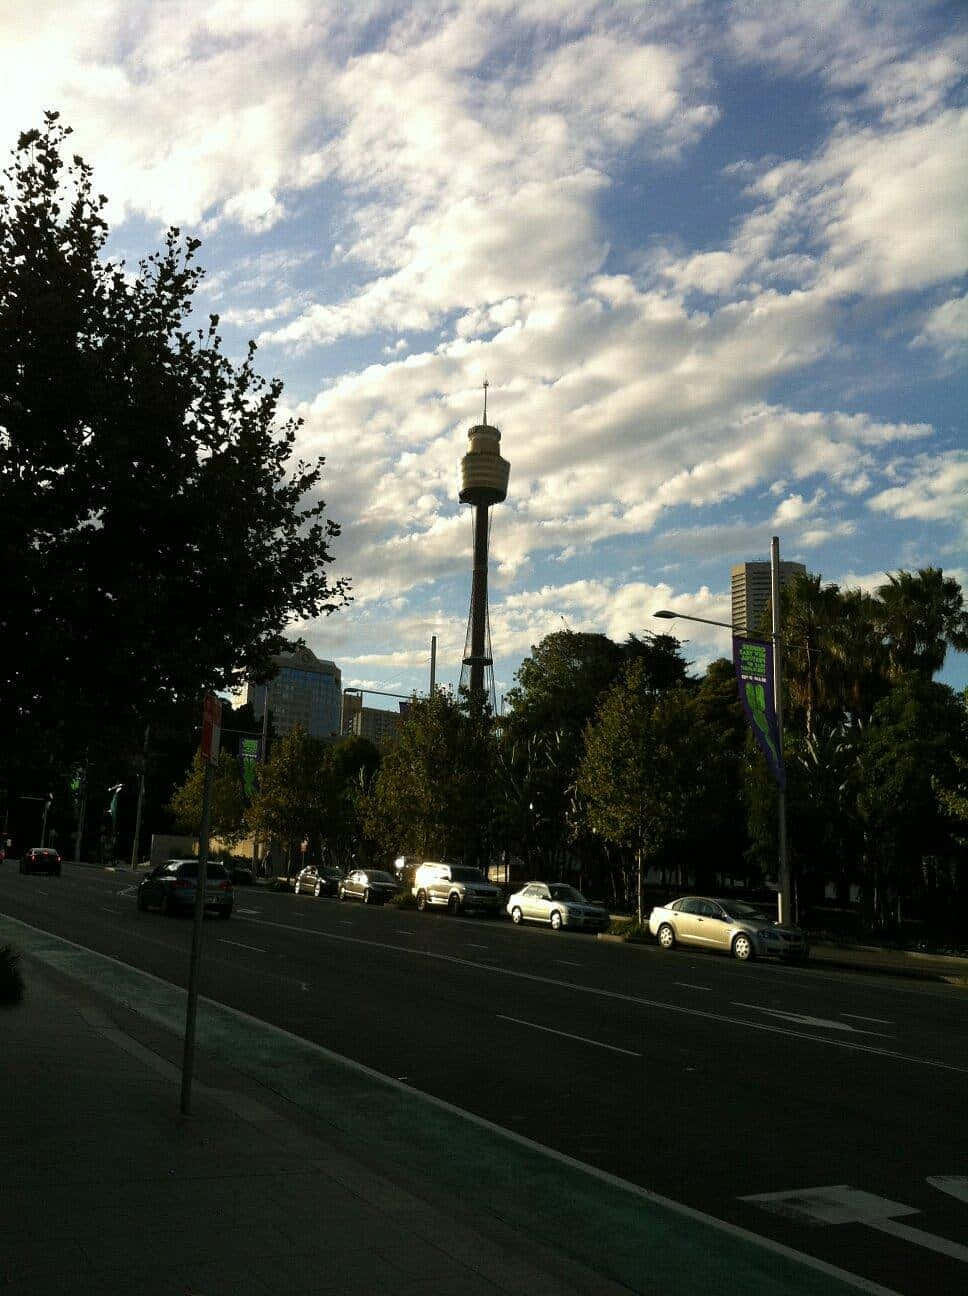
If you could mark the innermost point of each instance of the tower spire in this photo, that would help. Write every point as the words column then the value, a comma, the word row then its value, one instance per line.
column 486, row 385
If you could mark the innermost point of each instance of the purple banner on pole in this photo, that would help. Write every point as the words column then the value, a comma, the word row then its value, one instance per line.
column 753, row 660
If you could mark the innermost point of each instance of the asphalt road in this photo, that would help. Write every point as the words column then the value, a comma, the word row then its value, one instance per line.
column 700, row 1078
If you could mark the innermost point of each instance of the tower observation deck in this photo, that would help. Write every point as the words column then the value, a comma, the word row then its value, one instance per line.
column 484, row 482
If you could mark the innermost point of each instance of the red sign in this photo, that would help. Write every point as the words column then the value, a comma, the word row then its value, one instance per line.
column 211, row 728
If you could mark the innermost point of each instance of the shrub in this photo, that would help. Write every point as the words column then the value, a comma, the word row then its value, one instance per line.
column 11, row 982
column 403, row 900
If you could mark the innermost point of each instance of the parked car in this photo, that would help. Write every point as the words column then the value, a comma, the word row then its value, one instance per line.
column 558, row 904
column 733, row 926
column 320, row 879
column 171, row 887
column 41, row 859
column 372, row 886
column 456, row 887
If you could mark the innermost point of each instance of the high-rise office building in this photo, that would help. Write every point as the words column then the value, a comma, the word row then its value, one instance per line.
column 380, row 726
column 751, row 591
column 307, row 692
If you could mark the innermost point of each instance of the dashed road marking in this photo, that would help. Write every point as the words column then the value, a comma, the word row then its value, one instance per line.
column 583, row 1039
column 222, row 941
column 880, row 1021
column 690, row 986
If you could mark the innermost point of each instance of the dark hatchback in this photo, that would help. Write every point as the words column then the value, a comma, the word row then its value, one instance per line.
column 372, row 886
column 319, row 879
column 171, row 887
column 41, row 859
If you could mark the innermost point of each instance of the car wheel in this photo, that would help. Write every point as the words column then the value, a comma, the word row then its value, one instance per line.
column 421, row 900
column 556, row 921
column 743, row 948
column 318, row 890
column 453, row 905
column 667, row 937
column 168, row 907
column 516, row 915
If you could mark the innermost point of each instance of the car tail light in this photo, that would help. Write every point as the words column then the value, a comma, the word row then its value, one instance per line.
column 225, row 886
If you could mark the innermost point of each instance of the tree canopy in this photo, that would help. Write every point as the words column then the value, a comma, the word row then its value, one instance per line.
column 155, row 533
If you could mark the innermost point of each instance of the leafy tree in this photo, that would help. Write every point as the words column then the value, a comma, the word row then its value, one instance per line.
column 641, row 773
column 349, row 769
column 153, row 529
column 433, row 794
column 291, row 802
column 911, row 748
column 228, row 799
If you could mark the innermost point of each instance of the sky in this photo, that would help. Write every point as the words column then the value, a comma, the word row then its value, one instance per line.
column 711, row 258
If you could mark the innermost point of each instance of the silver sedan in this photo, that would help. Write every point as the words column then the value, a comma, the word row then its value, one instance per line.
column 559, row 905
column 732, row 926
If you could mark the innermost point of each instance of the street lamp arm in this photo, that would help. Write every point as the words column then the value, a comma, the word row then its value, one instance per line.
column 666, row 615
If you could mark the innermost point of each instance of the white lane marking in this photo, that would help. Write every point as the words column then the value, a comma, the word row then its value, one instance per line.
column 809, row 1021
column 880, row 1021
column 105, row 909
column 582, row 1039
column 571, row 987
column 470, row 946
column 521, row 1140
column 568, row 963
column 690, row 986
column 222, row 941
column 404, row 931
column 841, row 1204
column 956, row 1185
column 344, row 922
column 46, row 893
column 249, row 911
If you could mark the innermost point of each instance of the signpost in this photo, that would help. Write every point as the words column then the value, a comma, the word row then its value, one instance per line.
column 211, row 736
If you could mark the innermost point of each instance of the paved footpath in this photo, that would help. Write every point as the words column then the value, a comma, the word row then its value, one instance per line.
column 299, row 1171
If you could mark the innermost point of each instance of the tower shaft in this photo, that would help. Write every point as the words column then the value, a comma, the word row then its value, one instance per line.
column 478, row 657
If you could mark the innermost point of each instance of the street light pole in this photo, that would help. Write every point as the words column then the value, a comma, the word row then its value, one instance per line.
column 784, row 899
column 785, row 894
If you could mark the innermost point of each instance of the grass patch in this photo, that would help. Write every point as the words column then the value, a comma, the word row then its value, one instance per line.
column 11, row 982
column 403, row 900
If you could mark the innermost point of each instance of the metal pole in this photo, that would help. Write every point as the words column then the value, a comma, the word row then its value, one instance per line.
column 82, row 815
column 785, row 894
column 188, row 1061
column 141, row 797
column 263, row 751
column 433, row 664
column 43, row 822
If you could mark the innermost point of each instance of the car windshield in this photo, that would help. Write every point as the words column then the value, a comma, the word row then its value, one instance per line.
column 741, row 909
column 466, row 875
column 561, row 892
column 212, row 869
column 377, row 875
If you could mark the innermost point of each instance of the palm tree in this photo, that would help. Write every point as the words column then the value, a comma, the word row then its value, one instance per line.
column 920, row 616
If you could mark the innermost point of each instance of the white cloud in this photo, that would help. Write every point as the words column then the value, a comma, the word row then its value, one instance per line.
column 932, row 488
column 946, row 327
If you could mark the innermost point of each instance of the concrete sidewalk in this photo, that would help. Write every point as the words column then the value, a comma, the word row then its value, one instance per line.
column 299, row 1171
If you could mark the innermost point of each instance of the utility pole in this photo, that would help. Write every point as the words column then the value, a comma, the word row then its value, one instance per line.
column 433, row 664
column 211, row 726
column 141, row 797
column 82, row 813
column 785, row 895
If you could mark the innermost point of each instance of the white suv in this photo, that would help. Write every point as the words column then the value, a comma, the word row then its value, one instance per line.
column 458, row 888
